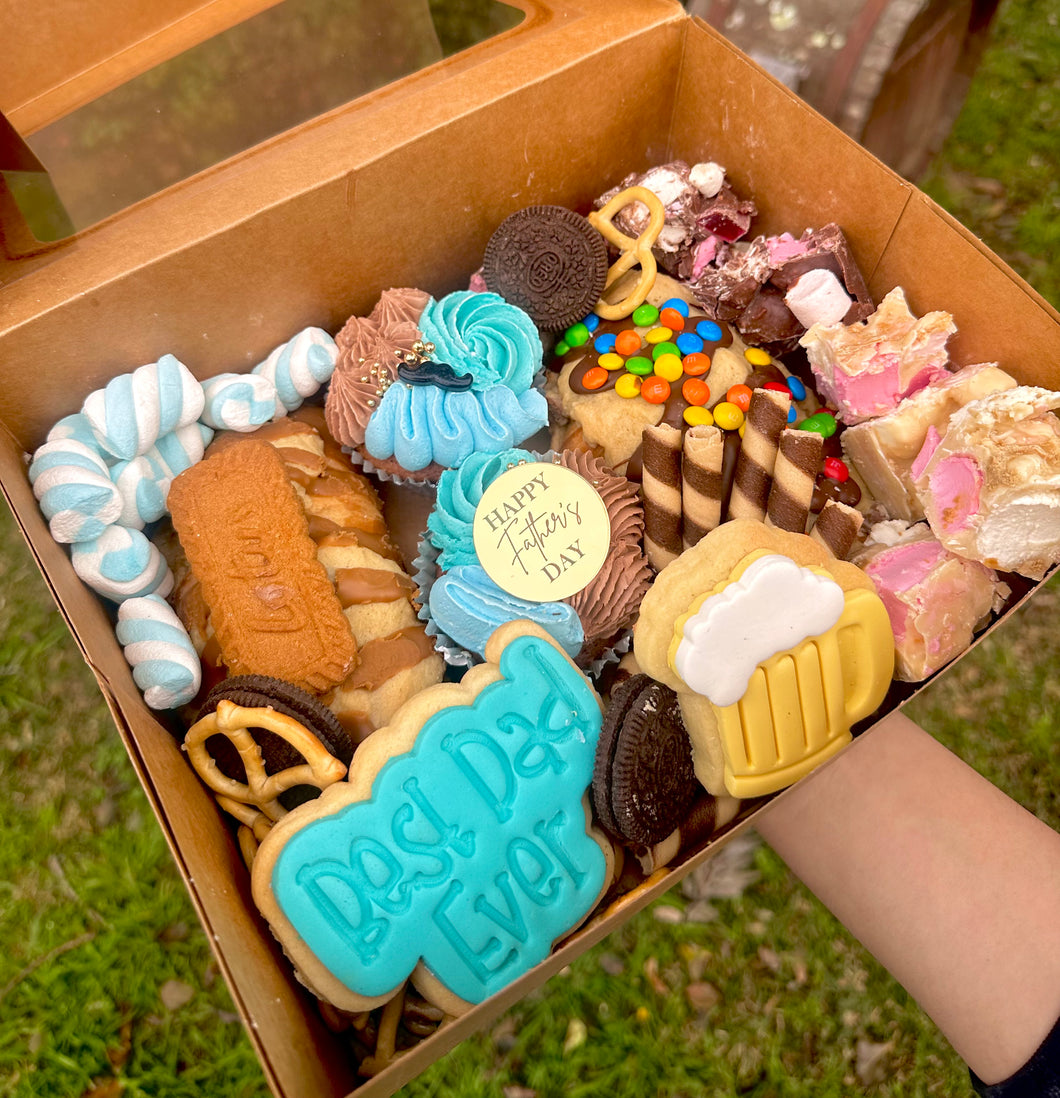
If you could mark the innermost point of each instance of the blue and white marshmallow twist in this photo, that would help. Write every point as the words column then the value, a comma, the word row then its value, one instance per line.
column 122, row 564
column 164, row 662
column 73, row 485
column 133, row 411
column 238, row 402
column 144, row 481
column 299, row 367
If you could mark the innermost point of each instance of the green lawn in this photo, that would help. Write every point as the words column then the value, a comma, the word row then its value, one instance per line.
column 107, row 985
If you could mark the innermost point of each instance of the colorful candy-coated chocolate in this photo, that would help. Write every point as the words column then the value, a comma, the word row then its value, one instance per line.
column 669, row 367
column 611, row 361
column 678, row 304
column 592, row 322
column 595, row 378
column 821, row 422
column 638, row 364
column 604, row 343
column 688, row 343
column 627, row 342
column 757, row 357
column 695, row 391
column 708, row 331
column 777, row 387
column 728, row 416
column 561, row 348
column 836, row 469
column 697, row 416
column 740, row 395
column 655, row 390
column 665, row 348
column 696, row 363
column 672, row 319
column 658, row 335
column 577, row 335
column 628, row 386
column 796, row 387
column 792, row 414
column 645, row 315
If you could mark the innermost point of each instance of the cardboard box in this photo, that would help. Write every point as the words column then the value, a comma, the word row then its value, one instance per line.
column 404, row 187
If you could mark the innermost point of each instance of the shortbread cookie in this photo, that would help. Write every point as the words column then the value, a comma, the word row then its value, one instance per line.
column 775, row 649
column 461, row 847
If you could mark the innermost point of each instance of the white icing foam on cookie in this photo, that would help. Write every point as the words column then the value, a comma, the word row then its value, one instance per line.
column 774, row 605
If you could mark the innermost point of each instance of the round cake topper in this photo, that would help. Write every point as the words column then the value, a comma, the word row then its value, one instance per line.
column 541, row 532
column 550, row 262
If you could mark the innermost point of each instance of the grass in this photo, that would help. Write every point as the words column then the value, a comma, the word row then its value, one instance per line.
column 107, row 984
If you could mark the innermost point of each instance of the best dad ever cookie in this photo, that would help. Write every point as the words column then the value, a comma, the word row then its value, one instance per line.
column 459, row 850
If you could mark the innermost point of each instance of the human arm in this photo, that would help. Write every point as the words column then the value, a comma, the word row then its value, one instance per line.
column 953, row 886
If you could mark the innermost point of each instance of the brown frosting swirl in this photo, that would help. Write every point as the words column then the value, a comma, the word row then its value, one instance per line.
column 399, row 306
column 611, row 602
column 368, row 360
column 619, row 495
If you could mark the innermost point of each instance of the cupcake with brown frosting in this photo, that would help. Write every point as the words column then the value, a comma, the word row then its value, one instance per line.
column 422, row 383
column 462, row 605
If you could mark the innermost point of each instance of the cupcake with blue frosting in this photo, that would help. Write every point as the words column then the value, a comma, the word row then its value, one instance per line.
column 462, row 604
column 421, row 384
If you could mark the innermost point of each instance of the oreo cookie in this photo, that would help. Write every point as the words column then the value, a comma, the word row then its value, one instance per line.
column 550, row 262
column 261, row 692
column 643, row 781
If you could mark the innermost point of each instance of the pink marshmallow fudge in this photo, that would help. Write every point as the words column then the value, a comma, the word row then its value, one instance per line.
column 935, row 599
column 866, row 368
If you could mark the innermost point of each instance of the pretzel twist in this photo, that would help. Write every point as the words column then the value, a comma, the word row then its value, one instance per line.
column 261, row 790
column 635, row 252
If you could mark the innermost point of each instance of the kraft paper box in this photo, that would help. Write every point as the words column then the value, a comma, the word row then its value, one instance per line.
column 404, row 187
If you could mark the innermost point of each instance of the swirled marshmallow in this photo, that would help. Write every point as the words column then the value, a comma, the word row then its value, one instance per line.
column 144, row 481
column 164, row 662
column 78, row 428
column 299, row 367
column 122, row 564
column 134, row 410
column 238, row 402
column 73, row 486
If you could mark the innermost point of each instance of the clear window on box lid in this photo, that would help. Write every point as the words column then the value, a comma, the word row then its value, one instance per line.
column 291, row 62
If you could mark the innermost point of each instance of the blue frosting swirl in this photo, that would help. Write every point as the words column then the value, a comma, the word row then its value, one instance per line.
column 459, row 492
column 483, row 335
column 468, row 606
column 418, row 425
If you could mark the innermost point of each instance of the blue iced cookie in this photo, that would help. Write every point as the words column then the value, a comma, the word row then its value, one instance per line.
column 460, row 848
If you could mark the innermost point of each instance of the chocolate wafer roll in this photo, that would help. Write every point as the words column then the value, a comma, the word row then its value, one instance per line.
column 766, row 418
column 661, row 483
column 837, row 527
column 701, row 482
column 798, row 463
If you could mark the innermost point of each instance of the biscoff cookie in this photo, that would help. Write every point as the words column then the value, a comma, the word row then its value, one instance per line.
column 272, row 607
column 461, row 847
column 774, row 648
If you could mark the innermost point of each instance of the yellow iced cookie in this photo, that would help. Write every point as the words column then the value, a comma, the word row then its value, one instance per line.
column 775, row 650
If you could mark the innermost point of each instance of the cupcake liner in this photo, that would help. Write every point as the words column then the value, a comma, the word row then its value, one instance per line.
column 425, row 572
column 366, row 465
